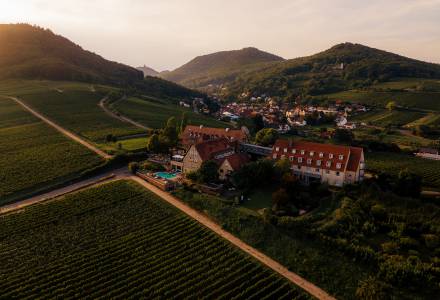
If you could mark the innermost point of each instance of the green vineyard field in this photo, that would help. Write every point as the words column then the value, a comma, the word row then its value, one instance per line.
column 33, row 155
column 393, row 163
column 119, row 240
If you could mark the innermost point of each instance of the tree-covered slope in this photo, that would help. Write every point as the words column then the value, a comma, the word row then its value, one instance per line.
column 219, row 67
column 342, row 67
column 35, row 53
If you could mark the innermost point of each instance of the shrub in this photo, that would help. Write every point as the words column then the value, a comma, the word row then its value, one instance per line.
column 133, row 167
column 432, row 241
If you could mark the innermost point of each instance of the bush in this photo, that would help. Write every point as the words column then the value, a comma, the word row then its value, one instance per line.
column 133, row 167
column 432, row 241
column 151, row 166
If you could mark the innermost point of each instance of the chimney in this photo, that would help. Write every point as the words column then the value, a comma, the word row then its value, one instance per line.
column 201, row 126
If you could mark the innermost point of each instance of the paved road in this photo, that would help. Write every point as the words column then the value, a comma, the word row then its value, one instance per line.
column 120, row 117
column 121, row 173
column 266, row 260
column 62, row 130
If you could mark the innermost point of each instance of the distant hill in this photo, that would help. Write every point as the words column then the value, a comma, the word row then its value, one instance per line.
column 219, row 67
column 35, row 53
column 148, row 71
column 342, row 67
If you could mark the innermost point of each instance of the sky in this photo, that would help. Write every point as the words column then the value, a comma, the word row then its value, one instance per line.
column 165, row 34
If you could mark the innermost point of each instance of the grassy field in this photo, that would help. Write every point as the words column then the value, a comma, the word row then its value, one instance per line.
column 33, row 155
column 119, row 241
column 429, row 119
column 393, row 163
column 421, row 100
column 154, row 114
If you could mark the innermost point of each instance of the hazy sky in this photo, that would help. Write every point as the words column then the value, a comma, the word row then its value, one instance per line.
column 167, row 33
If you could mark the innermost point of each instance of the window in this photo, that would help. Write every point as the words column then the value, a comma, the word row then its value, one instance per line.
column 317, row 170
column 338, row 166
column 274, row 156
column 337, row 173
column 341, row 157
column 327, row 171
column 318, row 162
column 291, row 158
column 300, row 160
column 329, row 164
column 321, row 154
column 293, row 151
column 277, row 149
column 330, row 155
column 302, row 152
column 285, row 150
column 312, row 153
column 309, row 161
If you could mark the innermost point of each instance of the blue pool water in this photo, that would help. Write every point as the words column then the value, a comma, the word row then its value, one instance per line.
column 165, row 175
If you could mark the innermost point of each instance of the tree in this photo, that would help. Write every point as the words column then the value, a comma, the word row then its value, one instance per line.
column 208, row 171
column 343, row 136
column 170, row 132
column 183, row 122
column 153, row 144
column 266, row 136
column 408, row 184
column 280, row 199
column 133, row 167
column 282, row 166
column 391, row 105
column 372, row 289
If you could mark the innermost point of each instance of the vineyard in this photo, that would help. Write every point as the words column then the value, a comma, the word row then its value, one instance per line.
column 77, row 110
column 44, row 157
column 393, row 163
column 384, row 117
column 155, row 114
column 121, row 241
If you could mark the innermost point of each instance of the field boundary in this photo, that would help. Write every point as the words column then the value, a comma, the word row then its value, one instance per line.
column 120, row 117
column 67, row 133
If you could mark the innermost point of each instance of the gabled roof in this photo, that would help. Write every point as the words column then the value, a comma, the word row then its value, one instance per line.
column 209, row 149
column 193, row 134
column 236, row 161
column 351, row 156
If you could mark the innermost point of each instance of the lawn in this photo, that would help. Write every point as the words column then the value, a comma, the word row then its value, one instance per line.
column 33, row 155
column 382, row 118
column 393, row 163
column 259, row 199
column 120, row 240
column 154, row 114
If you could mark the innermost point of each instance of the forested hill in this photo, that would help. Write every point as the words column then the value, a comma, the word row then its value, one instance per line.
column 219, row 67
column 32, row 52
column 148, row 71
column 344, row 66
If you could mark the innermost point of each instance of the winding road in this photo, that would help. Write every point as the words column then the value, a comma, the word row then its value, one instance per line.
column 120, row 117
column 201, row 218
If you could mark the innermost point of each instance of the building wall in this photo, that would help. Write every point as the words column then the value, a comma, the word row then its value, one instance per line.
column 192, row 160
column 224, row 170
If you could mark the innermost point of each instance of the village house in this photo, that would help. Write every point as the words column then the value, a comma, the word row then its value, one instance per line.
column 331, row 164
column 231, row 163
column 196, row 134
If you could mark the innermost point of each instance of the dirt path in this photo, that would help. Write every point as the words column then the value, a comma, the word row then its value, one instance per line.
column 204, row 220
column 120, row 117
column 62, row 130
column 105, row 177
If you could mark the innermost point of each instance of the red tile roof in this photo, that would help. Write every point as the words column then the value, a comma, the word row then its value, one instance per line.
column 236, row 160
column 210, row 149
column 318, row 155
column 193, row 134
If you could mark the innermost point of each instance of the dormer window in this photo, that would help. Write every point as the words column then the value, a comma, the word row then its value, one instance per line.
column 338, row 165
column 277, row 149
column 285, row 150
column 328, row 164
column 321, row 154
column 302, row 152
column 300, row 160
column 318, row 162
column 309, row 161
column 293, row 151
column 291, row 158
column 341, row 157
column 330, row 156
column 312, row 153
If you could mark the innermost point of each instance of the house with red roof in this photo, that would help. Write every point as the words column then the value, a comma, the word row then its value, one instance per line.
column 197, row 134
column 332, row 164
column 232, row 163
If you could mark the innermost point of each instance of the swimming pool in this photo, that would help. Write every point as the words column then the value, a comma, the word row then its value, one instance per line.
column 165, row 175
